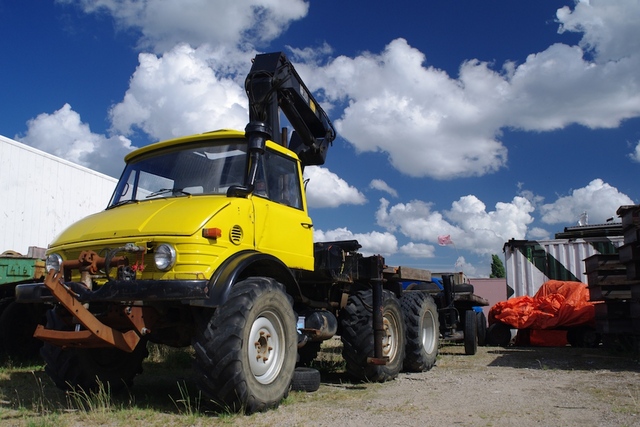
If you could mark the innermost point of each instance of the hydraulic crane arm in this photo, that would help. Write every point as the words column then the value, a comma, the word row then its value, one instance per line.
column 272, row 85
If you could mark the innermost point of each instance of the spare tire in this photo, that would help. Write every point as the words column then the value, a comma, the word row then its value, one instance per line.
column 305, row 379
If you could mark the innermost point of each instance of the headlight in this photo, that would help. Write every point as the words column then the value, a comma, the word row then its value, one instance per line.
column 53, row 262
column 164, row 257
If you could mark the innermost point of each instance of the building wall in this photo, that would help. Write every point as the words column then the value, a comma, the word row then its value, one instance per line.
column 41, row 195
column 494, row 290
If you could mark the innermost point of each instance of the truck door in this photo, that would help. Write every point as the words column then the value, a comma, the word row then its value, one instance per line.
column 282, row 226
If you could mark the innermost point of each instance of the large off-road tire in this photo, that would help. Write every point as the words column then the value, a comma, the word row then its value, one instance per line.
column 245, row 352
column 422, row 331
column 357, row 336
column 470, row 333
column 91, row 368
column 17, row 324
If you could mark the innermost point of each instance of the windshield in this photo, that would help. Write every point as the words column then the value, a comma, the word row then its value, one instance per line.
column 208, row 167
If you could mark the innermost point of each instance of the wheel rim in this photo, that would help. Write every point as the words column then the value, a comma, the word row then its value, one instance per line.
column 428, row 331
column 390, row 339
column 266, row 349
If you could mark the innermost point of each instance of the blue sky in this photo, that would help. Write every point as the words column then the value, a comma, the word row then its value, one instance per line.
column 484, row 121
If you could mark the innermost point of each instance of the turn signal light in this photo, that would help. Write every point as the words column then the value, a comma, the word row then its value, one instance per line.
column 211, row 233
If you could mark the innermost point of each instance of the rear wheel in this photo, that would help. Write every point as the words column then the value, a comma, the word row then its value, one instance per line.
column 90, row 368
column 422, row 331
column 470, row 332
column 17, row 324
column 358, row 340
column 246, row 350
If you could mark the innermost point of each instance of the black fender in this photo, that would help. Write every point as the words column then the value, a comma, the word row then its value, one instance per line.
column 248, row 264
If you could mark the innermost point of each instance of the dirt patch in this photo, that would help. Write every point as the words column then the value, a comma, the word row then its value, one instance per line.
column 496, row 387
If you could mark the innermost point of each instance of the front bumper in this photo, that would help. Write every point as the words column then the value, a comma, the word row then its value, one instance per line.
column 91, row 331
column 120, row 291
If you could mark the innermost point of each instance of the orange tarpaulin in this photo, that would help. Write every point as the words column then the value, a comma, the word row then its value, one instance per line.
column 556, row 304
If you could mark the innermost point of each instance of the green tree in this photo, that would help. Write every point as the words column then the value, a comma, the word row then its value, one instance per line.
column 497, row 268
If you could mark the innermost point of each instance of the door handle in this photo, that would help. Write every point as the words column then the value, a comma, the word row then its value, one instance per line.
column 306, row 224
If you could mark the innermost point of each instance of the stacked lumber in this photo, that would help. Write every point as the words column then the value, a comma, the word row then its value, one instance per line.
column 614, row 279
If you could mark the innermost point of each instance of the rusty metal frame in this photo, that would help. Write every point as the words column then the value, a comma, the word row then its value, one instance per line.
column 96, row 333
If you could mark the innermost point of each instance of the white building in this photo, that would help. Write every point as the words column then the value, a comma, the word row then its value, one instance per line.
column 41, row 195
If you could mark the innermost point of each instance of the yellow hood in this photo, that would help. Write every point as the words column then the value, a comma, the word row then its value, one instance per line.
column 181, row 216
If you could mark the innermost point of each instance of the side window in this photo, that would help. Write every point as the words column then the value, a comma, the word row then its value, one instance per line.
column 282, row 184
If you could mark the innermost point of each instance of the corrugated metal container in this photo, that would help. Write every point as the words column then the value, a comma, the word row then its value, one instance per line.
column 530, row 263
column 41, row 195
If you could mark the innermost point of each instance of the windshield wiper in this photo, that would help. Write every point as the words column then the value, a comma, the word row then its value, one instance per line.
column 168, row 190
column 122, row 202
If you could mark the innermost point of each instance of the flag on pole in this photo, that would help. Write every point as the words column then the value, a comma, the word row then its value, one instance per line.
column 445, row 240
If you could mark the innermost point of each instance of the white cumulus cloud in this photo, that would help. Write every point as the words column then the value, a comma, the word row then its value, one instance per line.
column 325, row 189
column 418, row 250
column 182, row 92
column 635, row 154
column 610, row 29
column 165, row 23
column 373, row 243
column 63, row 134
column 599, row 199
column 421, row 117
column 379, row 184
column 440, row 126
column 468, row 222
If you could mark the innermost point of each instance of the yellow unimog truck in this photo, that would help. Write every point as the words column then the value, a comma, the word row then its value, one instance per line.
column 207, row 242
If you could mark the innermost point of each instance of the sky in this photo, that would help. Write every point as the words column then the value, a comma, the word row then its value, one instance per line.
column 481, row 121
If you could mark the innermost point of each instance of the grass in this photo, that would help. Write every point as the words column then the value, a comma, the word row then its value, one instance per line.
column 165, row 394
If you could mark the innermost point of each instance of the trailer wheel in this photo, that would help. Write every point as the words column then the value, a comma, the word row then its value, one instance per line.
column 499, row 334
column 89, row 369
column 245, row 352
column 481, row 320
column 17, row 324
column 358, row 341
column 470, row 332
column 422, row 331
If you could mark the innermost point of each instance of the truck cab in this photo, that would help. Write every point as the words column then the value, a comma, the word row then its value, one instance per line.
column 183, row 185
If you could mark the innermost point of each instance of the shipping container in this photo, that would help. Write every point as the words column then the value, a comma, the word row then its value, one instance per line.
column 530, row 263
column 41, row 194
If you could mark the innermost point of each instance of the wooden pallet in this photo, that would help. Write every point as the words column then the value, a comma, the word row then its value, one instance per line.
column 618, row 309
column 618, row 326
column 623, row 291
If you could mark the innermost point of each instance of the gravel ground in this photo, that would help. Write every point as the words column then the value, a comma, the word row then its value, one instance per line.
column 559, row 386
column 515, row 386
